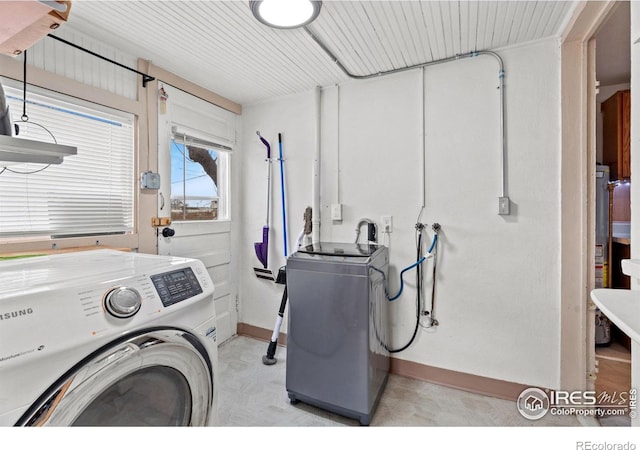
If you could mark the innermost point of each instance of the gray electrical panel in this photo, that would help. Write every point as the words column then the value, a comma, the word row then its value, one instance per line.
column 337, row 358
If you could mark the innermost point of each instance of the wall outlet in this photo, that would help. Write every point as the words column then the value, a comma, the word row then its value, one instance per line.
column 503, row 206
column 336, row 211
column 387, row 224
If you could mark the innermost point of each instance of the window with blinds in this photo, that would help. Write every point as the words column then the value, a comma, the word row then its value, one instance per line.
column 91, row 193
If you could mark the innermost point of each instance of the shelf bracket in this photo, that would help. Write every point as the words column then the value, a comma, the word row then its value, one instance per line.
column 145, row 77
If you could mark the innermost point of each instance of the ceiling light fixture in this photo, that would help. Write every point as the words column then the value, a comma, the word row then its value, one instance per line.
column 285, row 13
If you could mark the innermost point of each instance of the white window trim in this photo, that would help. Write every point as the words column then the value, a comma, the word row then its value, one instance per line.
column 187, row 135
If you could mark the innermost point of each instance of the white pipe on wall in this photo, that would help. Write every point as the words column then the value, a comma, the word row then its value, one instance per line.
column 315, row 221
column 424, row 143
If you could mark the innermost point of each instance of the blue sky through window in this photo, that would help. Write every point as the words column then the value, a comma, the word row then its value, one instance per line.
column 199, row 187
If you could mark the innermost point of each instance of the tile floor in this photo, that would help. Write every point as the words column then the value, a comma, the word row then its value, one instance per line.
column 252, row 394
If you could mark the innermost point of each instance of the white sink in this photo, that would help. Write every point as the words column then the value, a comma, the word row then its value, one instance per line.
column 631, row 267
column 622, row 307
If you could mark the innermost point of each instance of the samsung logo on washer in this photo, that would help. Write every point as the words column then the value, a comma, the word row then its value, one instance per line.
column 14, row 314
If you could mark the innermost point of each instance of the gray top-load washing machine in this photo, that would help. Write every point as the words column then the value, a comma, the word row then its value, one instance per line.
column 337, row 358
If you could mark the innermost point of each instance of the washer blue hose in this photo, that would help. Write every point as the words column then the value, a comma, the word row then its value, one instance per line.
column 415, row 264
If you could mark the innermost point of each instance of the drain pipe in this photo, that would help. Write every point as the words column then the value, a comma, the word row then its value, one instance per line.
column 503, row 201
column 315, row 188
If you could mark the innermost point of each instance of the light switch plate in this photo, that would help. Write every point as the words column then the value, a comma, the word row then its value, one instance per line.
column 336, row 211
column 503, row 206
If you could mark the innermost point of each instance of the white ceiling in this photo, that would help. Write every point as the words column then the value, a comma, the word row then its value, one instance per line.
column 220, row 46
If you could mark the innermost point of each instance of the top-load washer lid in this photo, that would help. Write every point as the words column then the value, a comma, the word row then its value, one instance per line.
column 340, row 249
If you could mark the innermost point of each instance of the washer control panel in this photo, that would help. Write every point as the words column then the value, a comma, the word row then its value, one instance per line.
column 177, row 285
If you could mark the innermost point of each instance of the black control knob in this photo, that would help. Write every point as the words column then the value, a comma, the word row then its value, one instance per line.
column 123, row 302
column 168, row 232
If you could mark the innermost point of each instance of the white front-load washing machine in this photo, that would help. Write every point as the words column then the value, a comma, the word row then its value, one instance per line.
column 107, row 338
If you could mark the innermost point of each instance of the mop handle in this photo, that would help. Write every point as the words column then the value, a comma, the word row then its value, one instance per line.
column 266, row 143
column 268, row 190
column 284, row 214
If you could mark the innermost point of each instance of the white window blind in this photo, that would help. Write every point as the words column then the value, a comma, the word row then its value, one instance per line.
column 90, row 193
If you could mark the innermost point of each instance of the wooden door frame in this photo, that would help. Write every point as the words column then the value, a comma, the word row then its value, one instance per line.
column 578, row 161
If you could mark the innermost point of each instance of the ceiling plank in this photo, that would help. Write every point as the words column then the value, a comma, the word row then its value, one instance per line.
column 219, row 45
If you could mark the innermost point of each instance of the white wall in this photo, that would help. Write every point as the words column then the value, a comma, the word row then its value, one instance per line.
column 293, row 118
column 499, row 296
column 62, row 59
column 498, row 282
column 635, row 135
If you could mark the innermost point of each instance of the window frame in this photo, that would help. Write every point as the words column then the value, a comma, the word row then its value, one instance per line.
column 180, row 136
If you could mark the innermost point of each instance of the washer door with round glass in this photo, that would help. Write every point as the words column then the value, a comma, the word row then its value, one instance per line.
column 156, row 377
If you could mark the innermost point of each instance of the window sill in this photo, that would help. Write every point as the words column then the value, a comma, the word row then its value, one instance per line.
column 57, row 251
column 16, row 247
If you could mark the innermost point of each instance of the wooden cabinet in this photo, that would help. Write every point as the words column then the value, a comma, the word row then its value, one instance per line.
column 26, row 22
column 616, row 134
